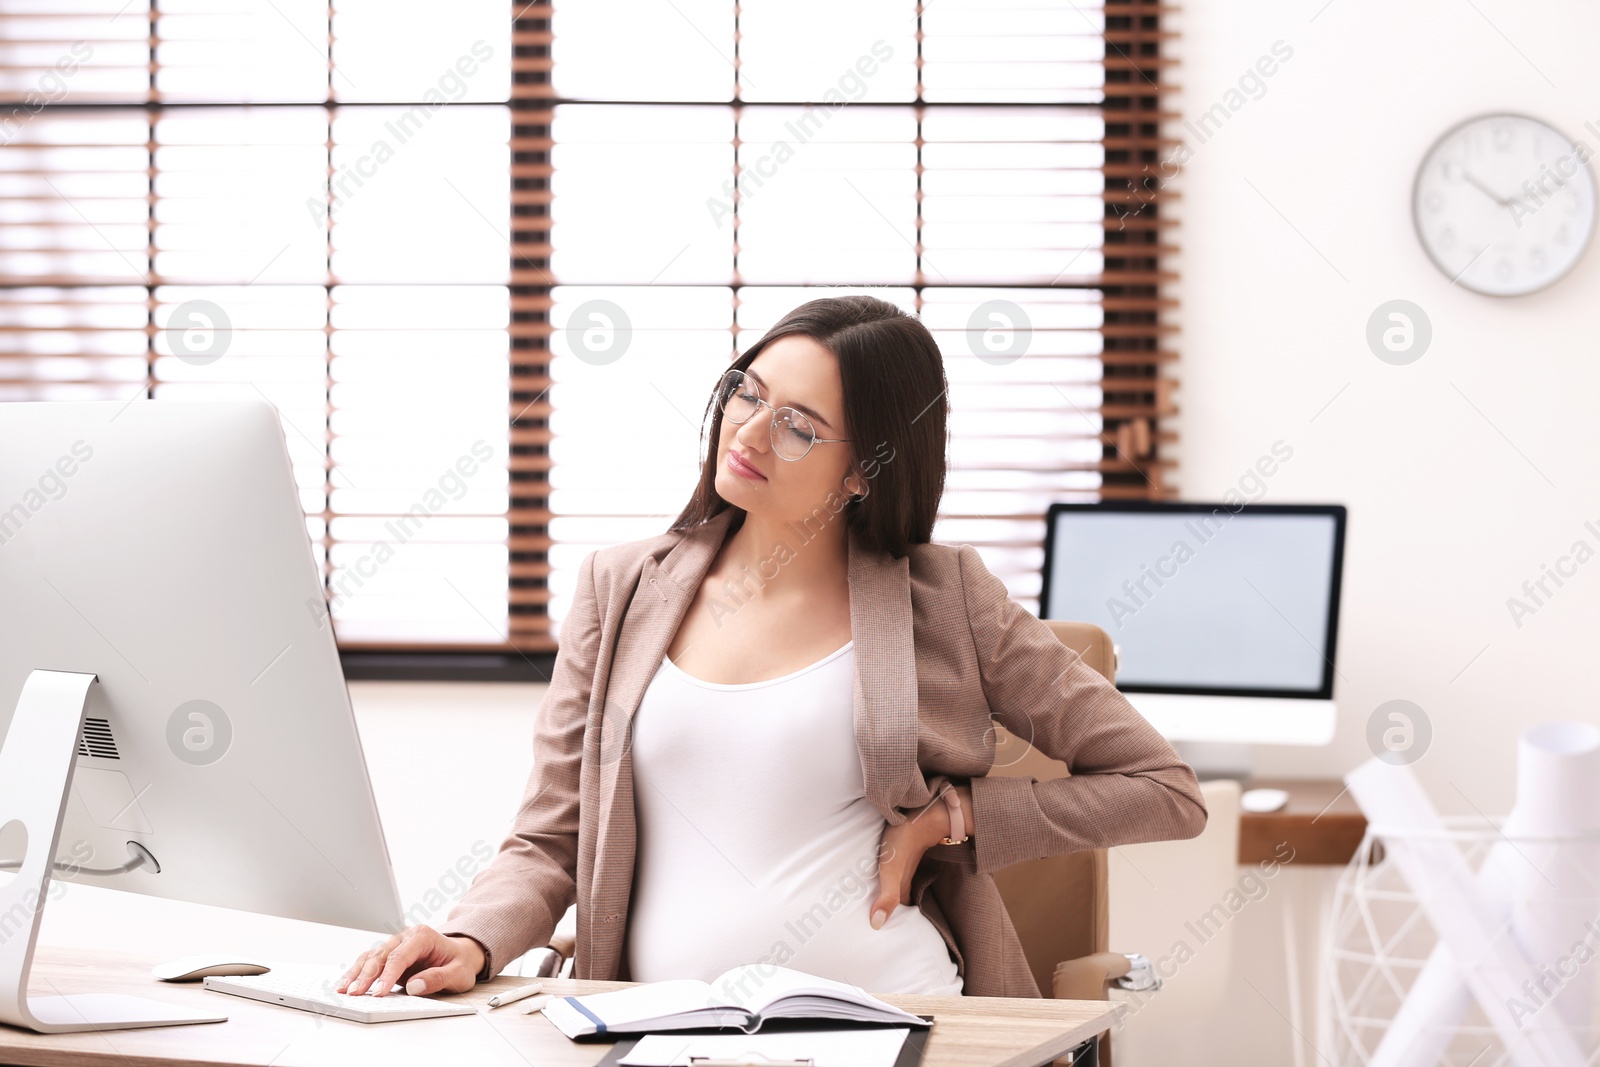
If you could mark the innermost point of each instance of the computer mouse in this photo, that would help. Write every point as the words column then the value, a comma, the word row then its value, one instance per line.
column 1263, row 800
column 194, row 968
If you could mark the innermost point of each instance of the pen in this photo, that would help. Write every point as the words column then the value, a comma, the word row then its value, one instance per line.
column 539, row 1003
column 712, row 1061
column 500, row 1000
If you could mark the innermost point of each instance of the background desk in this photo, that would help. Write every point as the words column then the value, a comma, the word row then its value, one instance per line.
column 1320, row 822
column 967, row 1032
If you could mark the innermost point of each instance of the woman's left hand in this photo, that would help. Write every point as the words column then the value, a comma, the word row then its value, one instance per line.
column 902, row 849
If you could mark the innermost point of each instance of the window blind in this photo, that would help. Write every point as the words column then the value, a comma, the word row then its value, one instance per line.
column 541, row 238
column 291, row 201
column 690, row 172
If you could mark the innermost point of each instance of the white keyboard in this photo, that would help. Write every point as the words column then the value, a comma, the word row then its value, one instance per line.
column 317, row 995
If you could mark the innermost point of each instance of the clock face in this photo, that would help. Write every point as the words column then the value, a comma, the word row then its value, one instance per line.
column 1505, row 204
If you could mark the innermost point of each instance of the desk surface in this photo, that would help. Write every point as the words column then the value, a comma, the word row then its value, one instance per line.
column 967, row 1031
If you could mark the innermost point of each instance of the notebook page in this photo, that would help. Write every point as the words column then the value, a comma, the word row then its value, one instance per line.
column 652, row 1000
column 757, row 985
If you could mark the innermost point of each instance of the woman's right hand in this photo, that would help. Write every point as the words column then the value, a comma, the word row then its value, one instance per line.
column 421, row 957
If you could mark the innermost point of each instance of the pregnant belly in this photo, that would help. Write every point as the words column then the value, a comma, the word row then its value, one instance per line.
column 809, row 910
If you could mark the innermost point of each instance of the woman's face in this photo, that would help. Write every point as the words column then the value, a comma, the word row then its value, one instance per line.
column 797, row 372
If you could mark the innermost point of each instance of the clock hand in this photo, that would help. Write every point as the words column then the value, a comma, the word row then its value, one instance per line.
column 1485, row 189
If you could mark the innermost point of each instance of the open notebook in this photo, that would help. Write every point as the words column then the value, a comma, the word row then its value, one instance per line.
column 741, row 997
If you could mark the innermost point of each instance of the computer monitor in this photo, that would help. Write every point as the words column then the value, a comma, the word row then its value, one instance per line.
column 1233, row 606
column 158, row 582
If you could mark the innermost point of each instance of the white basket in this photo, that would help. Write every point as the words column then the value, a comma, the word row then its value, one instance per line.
column 1378, row 938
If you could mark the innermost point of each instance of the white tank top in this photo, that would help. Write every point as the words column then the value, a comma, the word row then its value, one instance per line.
column 756, row 841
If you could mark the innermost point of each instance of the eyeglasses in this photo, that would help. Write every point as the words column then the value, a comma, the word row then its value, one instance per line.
column 793, row 433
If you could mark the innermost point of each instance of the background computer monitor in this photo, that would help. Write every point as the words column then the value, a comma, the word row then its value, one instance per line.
column 1203, row 599
column 161, row 547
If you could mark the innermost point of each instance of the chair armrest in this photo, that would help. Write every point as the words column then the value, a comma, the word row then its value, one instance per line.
column 557, row 954
column 554, row 958
column 564, row 943
column 543, row 963
column 1087, row 977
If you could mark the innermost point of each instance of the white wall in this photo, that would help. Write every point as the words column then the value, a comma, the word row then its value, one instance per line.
column 1450, row 509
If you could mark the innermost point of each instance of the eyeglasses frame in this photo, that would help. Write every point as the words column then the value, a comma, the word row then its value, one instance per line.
column 772, row 424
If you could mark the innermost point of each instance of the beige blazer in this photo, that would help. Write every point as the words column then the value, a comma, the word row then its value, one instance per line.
column 940, row 649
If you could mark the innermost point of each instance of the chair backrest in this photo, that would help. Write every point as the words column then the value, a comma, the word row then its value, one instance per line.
column 1059, row 905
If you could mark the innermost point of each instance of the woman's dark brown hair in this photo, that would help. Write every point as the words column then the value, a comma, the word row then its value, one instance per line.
column 896, row 410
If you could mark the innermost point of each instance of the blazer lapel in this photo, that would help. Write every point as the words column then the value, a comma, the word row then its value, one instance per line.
column 885, row 699
column 886, row 674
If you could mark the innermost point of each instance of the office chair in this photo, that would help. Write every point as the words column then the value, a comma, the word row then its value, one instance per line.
column 1059, row 905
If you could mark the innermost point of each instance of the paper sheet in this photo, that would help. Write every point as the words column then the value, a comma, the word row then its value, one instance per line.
column 861, row 1047
column 1546, row 890
column 1559, row 879
column 1432, row 865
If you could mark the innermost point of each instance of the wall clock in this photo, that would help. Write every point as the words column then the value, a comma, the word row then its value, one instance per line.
column 1504, row 204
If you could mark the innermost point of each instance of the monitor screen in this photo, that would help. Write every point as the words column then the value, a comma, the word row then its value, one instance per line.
column 1203, row 598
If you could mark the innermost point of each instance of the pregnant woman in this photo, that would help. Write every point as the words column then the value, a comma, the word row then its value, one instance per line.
column 769, row 728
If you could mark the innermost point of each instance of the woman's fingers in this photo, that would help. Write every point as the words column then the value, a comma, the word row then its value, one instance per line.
column 354, row 969
column 351, row 976
column 369, row 970
column 413, row 943
column 899, row 853
column 893, row 857
column 425, row 960
column 371, row 965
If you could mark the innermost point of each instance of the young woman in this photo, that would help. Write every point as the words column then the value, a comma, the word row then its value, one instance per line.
column 769, row 729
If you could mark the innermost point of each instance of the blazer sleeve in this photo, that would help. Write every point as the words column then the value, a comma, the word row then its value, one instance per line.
column 1127, row 783
column 513, row 904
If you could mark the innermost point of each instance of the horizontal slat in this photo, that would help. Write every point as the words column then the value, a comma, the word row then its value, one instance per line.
column 1142, row 221
column 1137, row 411
column 1123, row 114
column 1146, row 63
column 1136, row 359
column 1147, row 197
column 1136, row 329
column 1140, row 144
column 1138, row 303
column 1121, row 277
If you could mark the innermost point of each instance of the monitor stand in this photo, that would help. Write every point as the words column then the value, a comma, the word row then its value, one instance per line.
column 36, row 765
column 1216, row 759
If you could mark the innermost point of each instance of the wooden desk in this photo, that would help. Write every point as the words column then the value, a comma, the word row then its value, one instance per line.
column 1320, row 822
column 967, row 1031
